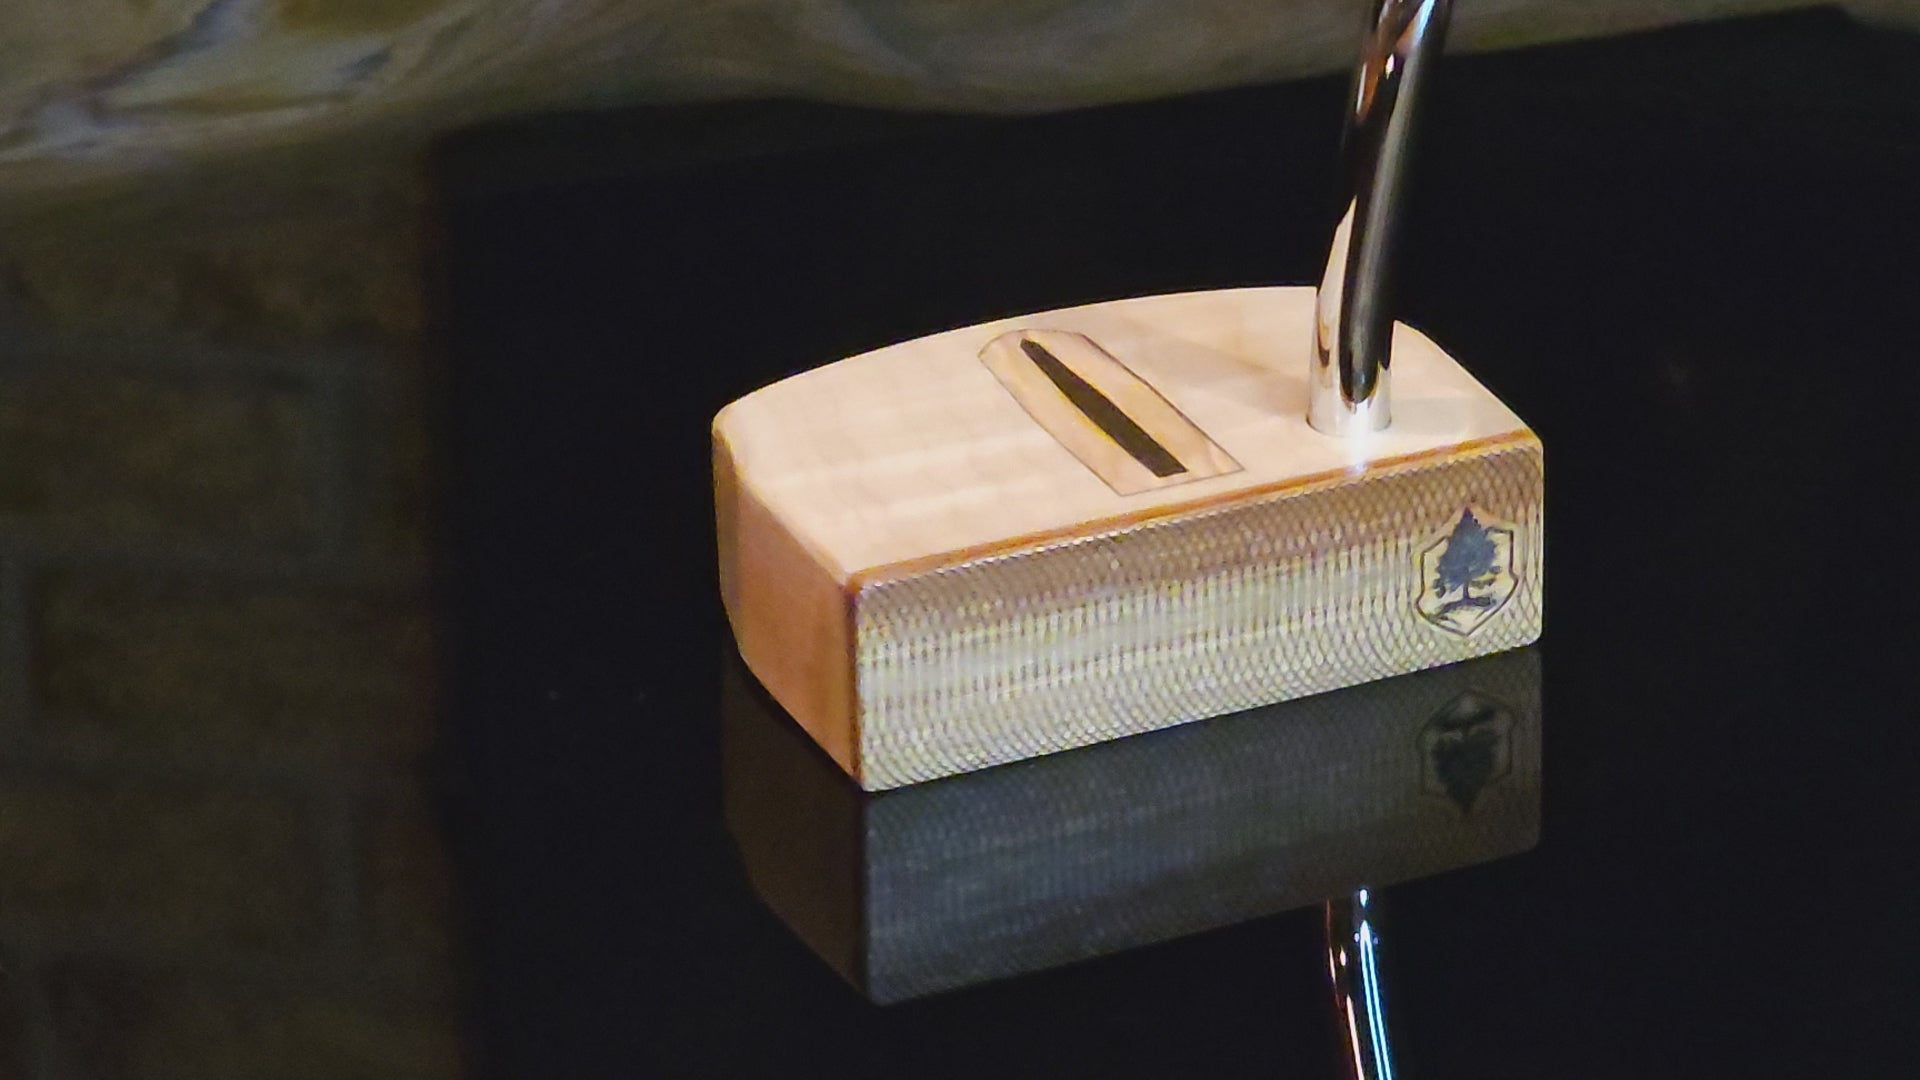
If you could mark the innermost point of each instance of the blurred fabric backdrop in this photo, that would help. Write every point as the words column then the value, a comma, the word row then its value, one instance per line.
column 112, row 85
column 90, row 86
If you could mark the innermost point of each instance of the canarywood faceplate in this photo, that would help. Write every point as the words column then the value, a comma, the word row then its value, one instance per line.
column 928, row 561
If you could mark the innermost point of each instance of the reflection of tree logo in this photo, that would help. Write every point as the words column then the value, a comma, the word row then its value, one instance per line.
column 1467, row 575
column 1465, row 748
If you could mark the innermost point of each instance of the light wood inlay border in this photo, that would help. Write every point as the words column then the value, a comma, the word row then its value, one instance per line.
column 1117, row 424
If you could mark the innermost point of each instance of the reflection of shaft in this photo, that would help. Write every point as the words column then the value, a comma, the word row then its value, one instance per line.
column 1353, row 326
column 1353, row 964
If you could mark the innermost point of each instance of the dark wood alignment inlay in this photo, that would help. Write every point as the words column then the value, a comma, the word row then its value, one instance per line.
column 1105, row 415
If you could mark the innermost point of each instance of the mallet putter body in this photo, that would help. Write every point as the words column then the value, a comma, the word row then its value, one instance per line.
column 1046, row 531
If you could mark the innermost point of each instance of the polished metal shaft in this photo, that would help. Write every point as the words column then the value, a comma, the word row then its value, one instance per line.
column 1353, row 323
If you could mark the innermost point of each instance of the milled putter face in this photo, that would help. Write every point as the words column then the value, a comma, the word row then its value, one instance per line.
column 935, row 572
column 1045, row 531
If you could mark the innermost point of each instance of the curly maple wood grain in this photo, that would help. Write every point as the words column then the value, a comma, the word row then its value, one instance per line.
column 932, row 580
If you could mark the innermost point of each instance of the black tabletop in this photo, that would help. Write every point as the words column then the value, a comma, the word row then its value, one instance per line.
column 1687, row 259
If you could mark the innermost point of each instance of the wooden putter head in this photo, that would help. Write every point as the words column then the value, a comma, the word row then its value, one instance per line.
column 1046, row 531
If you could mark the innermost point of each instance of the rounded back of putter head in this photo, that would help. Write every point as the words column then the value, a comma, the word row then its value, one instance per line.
column 1046, row 531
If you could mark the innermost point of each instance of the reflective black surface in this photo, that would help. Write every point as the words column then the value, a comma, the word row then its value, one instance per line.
column 1071, row 856
column 1662, row 251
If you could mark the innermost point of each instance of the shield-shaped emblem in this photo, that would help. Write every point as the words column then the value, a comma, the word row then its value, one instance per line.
column 1467, row 574
column 1466, row 748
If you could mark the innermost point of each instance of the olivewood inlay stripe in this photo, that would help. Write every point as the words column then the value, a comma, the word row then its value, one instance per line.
column 1118, row 425
column 1105, row 414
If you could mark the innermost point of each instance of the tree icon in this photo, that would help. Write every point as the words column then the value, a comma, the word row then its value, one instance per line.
column 1470, row 561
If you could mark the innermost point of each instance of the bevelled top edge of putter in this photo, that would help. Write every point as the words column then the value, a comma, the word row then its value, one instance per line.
column 918, row 449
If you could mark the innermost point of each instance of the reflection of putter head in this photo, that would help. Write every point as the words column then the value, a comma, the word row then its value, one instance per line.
column 1082, row 854
column 950, row 553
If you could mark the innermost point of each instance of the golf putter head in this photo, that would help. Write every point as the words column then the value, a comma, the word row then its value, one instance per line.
column 1046, row 531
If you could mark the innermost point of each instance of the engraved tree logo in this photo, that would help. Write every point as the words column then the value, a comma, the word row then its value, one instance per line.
column 1468, row 574
column 1467, row 563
